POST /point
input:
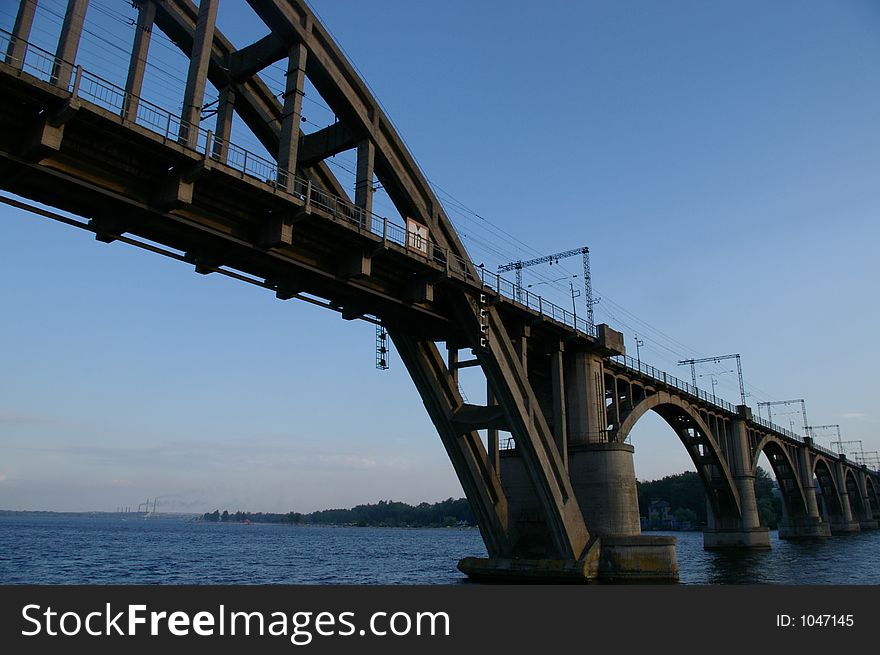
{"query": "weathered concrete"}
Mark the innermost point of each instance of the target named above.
(744, 531)
(638, 558)
(68, 42)
(721, 539)
(604, 481)
(24, 20)
(293, 94)
(506, 569)
(138, 63)
(609, 559)
(539, 516)
(194, 94)
(810, 528)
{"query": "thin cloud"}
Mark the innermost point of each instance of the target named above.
(17, 418)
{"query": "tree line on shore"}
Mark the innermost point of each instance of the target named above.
(686, 496)
(684, 492)
(447, 513)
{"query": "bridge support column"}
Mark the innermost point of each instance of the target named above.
(845, 523)
(24, 20)
(747, 531)
(604, 481)
(811, 526)
(363, 194)
(294, 91)
(194, 94)
(869, 522)
(138, 63)
(585, 393)
(68, 43)
(223, 126)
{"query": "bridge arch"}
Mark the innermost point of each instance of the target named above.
(793, 496)
(857, 500)
(700, 443)
(829, 492)
(873, 494)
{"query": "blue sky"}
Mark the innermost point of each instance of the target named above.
(721, 160)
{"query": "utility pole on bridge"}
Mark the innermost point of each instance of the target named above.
(771, 403)
(584, 251)
(814, 428)
(719, 358)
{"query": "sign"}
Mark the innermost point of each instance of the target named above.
(416, 236)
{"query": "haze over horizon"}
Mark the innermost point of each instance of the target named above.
(720, 160)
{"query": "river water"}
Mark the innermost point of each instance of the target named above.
(107, 549)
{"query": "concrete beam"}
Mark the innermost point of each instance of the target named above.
(68, 42)
(223, 126)
(292, 112)
(255, 103)
(479, 417)
(138, 62)
(358, 265)
(107, 228)
(204, 264)
(324, 143)
(478, 477)
(420, 291)
(560, 418)
(200, 57)
(174, 193)
(363, 193)
(43, 141)
(250, 60)
(277, 231)
(21, 31)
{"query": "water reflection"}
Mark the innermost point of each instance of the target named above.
(840, 560)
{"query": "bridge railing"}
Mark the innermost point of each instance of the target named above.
(672, 381)
(777, 428)
(30, 58)
(90, 87)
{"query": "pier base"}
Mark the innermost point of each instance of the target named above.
(869, 525)
(609, 559)
(805, 530)
(721, 539)
(638, 559)
(850, 527)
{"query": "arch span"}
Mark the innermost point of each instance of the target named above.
(830, 494)
(857, 500)
(793, 496)
(873, 494)
(700, 443)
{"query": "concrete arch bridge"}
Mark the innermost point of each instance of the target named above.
(556, 500)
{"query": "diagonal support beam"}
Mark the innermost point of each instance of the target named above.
(476, 474)
(479, 417)
(250, 60)
(324, 143)
(502, 365)
(255, 103)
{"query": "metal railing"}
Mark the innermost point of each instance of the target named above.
(672, 381)
(777, 428)
(102, 93)
(695, 392)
